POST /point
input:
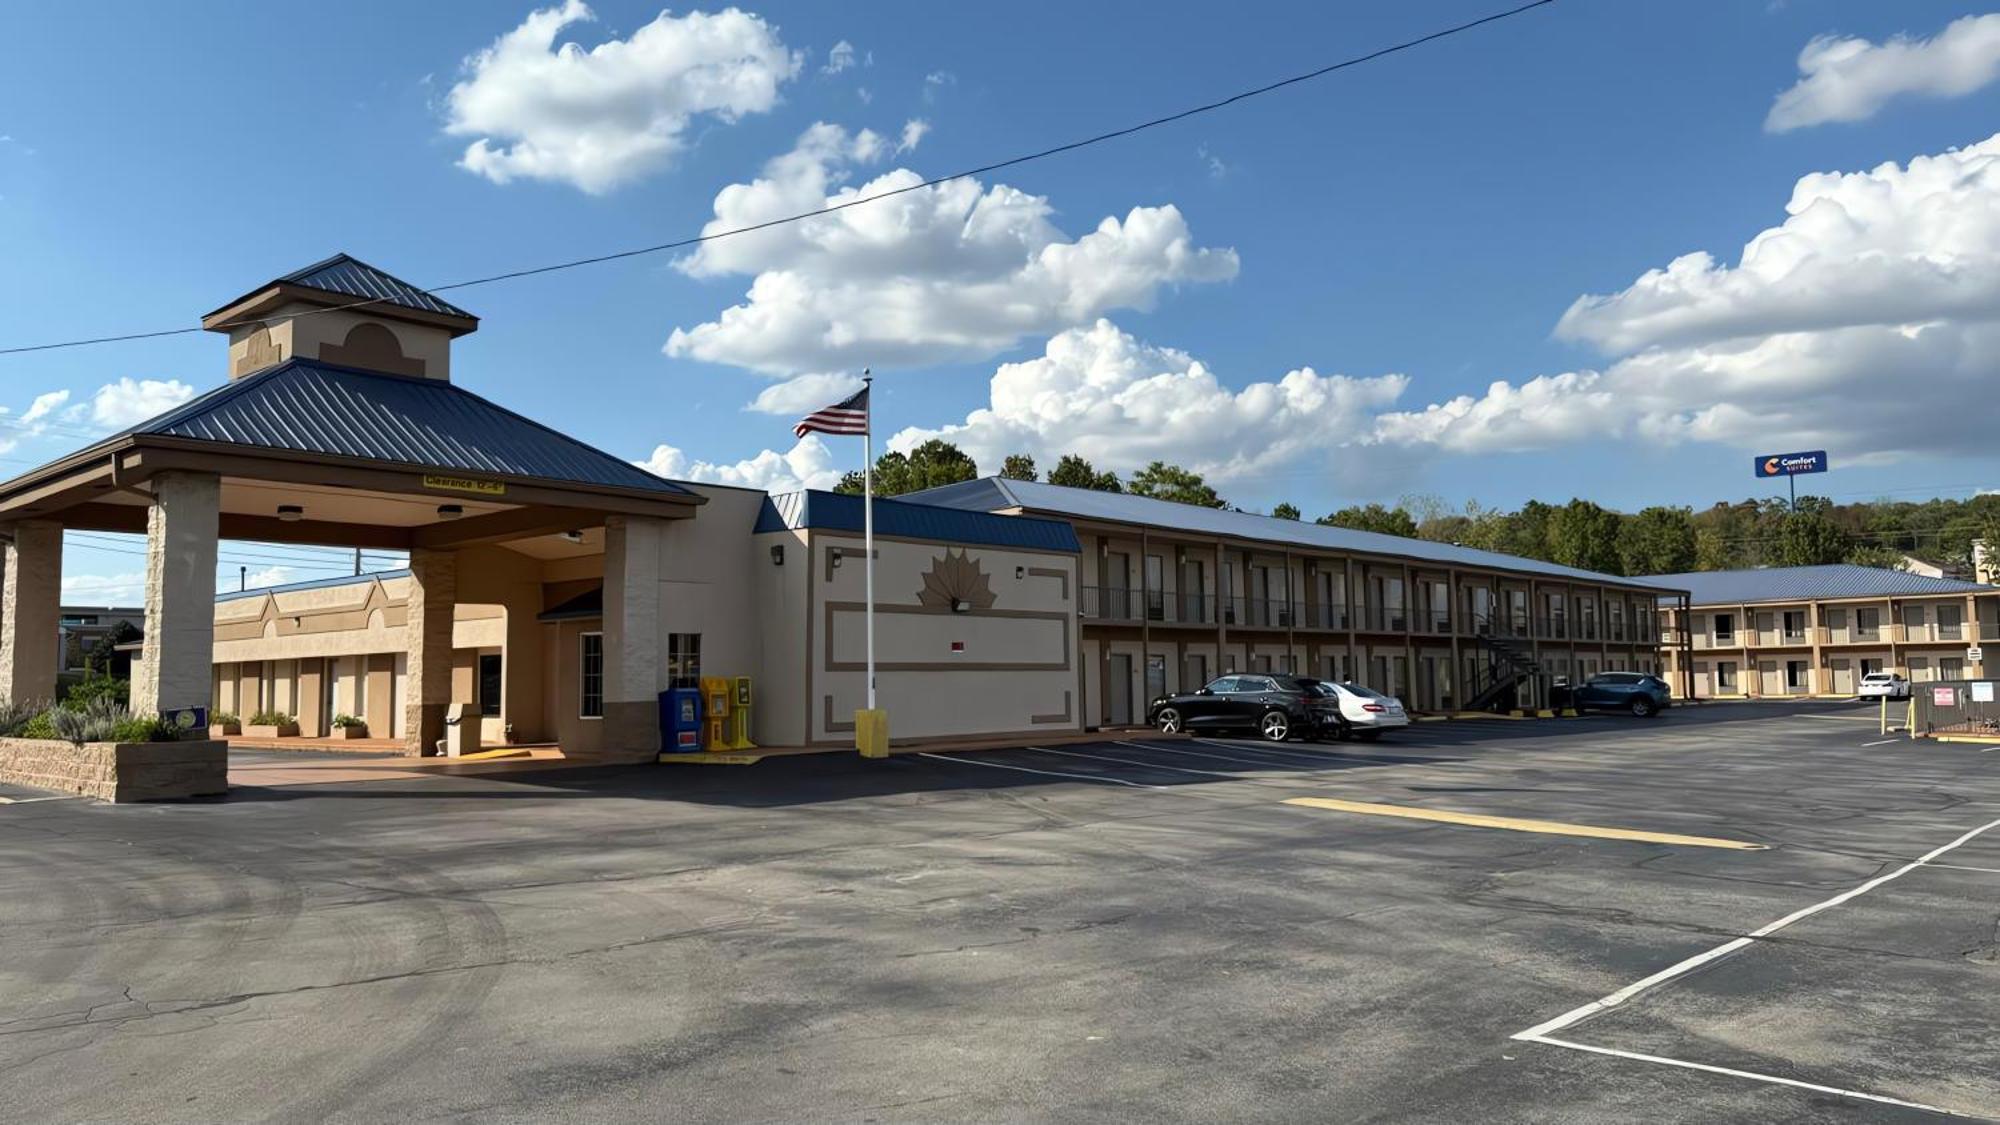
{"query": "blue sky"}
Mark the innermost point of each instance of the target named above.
(1429, 217)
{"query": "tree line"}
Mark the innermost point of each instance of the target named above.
(1661, 539)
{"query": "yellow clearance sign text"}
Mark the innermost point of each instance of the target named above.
(465, 484)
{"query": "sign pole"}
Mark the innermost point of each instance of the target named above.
(1792, 482)
(868, 528)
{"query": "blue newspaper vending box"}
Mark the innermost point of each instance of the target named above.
(680, 720)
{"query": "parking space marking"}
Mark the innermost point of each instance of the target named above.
(1775, 1079)
(1884, 742)
(1518, 824)
(1543, 1032)
(1842, 718)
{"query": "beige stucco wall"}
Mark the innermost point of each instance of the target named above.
(291, 335)
(1017, 671)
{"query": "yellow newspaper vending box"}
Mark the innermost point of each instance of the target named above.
(715, 693)
(739, 720)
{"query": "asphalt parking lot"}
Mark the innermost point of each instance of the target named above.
(1137, 929)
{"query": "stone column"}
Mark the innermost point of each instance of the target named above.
(30, 593)
(427, 685)
(180, 594)
(633, 647)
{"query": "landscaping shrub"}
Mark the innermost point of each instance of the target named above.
(143, 730)
(97, 685)
(94, 721)
(345, 721)
(40, 726)
(15, 717)
(221, 718)
(270, 719)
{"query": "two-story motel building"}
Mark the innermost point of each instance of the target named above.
(1816, 630)
(553, 589)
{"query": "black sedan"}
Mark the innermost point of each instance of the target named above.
(1276, 707)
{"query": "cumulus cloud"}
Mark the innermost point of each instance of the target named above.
(809, 464)
(1868, 321)
(952, 272)
(269, 576)
(104, 589)
(1892, 245)
(1099, 391)
(805, 394)
(43, 406)
(914, 131)
(130, 401)
(841, 57)
(1850, 79)
(603, 117)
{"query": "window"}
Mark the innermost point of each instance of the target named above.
(1795, 624)
(1867, 622)
(1155, 580)
(684, 660)
(489, 683)
(1951, 668)
(1949, 618)
(79, 619)
(590, 676)
(1725, 628)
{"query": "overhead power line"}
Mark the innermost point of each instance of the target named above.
(1043, 154)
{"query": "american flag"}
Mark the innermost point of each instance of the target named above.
(848, 416)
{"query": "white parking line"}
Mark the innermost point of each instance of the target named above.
(1884, 742)
(1542, 1032)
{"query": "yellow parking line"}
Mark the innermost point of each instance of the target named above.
(1516, 824)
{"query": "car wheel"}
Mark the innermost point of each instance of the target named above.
(1644, 708)
(1169, 720)
(1275, 726)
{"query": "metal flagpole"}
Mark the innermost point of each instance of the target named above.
(868, 523)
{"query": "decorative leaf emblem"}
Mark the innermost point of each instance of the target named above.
(956, 578)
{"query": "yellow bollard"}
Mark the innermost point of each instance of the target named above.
(871, 733)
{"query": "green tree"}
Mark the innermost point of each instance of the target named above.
(1811, 538)
(1018, 466)
(1075, 472)
(1372, 517)
(1583, 535)
(935, 462)
(1657, 541)
(1285, 511)
(1162, 481)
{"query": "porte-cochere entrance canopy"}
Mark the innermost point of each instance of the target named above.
(339, 426)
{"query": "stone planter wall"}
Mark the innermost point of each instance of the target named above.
(347, 732)
(118, 771)
(217, 730)
(287, 730)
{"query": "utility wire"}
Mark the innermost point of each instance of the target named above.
(681, 244)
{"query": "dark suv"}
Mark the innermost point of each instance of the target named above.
(1277, 707)
(1642, 694)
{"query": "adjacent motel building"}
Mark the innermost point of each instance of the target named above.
(1817, 630)
(554, 590)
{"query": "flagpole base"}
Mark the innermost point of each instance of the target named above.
(871, 733)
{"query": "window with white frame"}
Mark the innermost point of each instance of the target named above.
(684, 660)
(590, 676)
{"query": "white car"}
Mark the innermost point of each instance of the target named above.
(1364, 713)
(1883, 685)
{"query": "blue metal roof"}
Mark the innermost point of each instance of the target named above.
(349, 276)
(307, 406)
(1807, 583)
(993, 494)
(835, 511)
(313, 584)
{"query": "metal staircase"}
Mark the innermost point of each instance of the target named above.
(1509, 663)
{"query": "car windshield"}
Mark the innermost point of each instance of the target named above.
(1877, 678)
(1366, 693)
